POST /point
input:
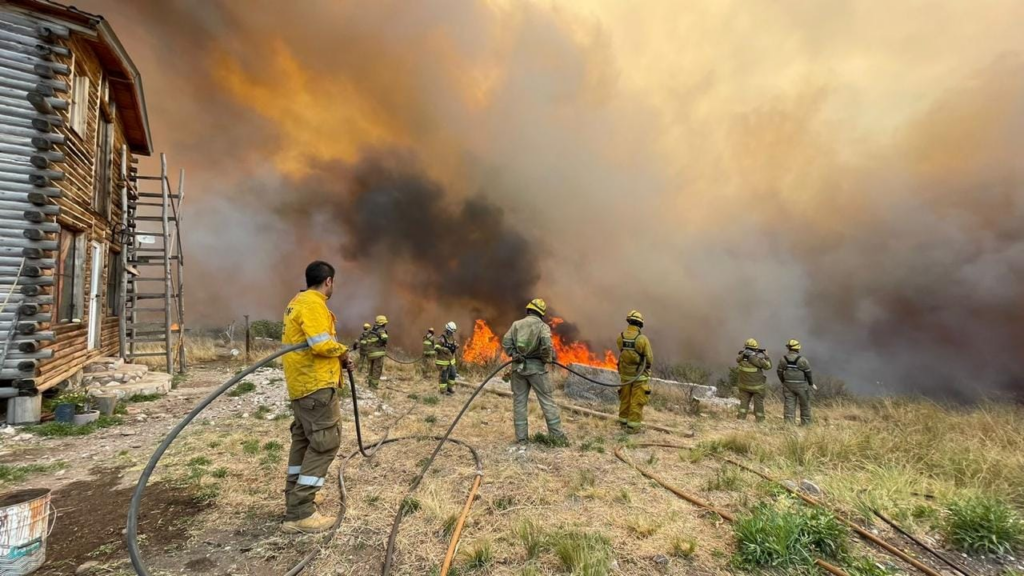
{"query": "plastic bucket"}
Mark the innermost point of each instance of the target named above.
(25, 522)
(64, 413)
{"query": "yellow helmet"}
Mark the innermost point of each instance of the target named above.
(431, 330)
(538, 305)
(635, 315)
(366, 326)
(381, 320)
(751, 343)
(793, 345)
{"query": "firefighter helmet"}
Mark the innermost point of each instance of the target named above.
(751, 343)
(451, 327)
(635, 316)
(381, 320)
(366, 326)
(430, 330)
(538, 305)
(793, 345)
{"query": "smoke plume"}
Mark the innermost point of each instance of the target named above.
(847, 174)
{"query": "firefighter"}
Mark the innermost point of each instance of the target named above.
(445, 348)
(428, 352)
(358, 347)
(751, 382)
(312, 376)
(634, 350)
(528, 343)
(794, 372)
(376, 348)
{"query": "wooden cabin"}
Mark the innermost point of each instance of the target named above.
(72, 119)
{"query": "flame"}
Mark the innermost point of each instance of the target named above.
(174, 326)
(484, 347)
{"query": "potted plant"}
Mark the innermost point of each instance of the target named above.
(67, 405)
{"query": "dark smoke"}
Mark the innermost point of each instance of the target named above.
(459, 253)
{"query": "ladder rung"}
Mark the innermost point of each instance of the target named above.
(149, 278)
(137, 177)
(136, 204)
(146, 339)
(153, 333)
(146, 296)
(154, 218)
(144, 354)
(155, 195)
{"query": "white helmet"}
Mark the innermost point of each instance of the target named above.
(450, 327)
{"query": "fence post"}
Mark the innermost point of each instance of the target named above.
(247, 338)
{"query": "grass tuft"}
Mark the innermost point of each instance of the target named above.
(409, 506)
(552, 441)
(582, 553)
(431, 400)
(62, 429)
(242, 388)
(683, 548)
(787, 535)
(983, 525)
(18, 472)
(532, 537)
(143, 398)
(479, 556)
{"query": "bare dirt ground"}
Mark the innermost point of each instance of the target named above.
(215, 502)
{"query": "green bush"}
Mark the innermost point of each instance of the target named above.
(60, 429)
(787, 535)
(983, 525)
(242, 388)
(267, 329)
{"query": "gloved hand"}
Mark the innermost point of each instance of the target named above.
(347, 363)
(814, 387)
(747, 352)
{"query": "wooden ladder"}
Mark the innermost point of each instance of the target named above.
(154, 270)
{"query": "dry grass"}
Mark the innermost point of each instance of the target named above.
(203, 348)
(552, 510)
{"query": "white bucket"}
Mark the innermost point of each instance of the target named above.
(25, 522)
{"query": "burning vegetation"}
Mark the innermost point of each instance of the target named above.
(484, 346)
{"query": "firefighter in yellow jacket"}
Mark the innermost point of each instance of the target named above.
(446, 348)
(751, 382)
(376, 349)
(634, 352)
(312, 376)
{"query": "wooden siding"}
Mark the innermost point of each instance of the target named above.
(71, 345)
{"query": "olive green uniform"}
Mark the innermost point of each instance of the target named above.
(428, 354)
(634, 350)
(529, 340)
(445, 362)
(751, 384)
(358, 347)
(795, 374)
(316, 437)
(375, 350)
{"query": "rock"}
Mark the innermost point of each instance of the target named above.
(661, 560)
(8, 430)
(87, 567)
(128, 432)
(810, 488)
(790, 485)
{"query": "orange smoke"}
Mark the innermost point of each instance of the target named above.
(484, 347)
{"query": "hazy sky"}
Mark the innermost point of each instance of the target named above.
(845, 173)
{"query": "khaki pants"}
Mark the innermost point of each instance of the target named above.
(632, 399)
(376, 369)
(316, 436)
(793, 393)
(745, 397)
(446, 377)
(427, 364)
(541, 386)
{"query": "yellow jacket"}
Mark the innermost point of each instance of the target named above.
(308, 319)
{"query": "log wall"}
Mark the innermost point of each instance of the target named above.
(48, 179)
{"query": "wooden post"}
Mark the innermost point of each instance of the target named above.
(122, 288)
(165, 192)
(180, 264)
(246, 338)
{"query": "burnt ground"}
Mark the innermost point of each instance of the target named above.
(91, 520)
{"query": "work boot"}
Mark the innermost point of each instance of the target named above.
(634, 429)
(316, 522)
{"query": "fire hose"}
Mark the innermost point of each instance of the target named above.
(133, 509)
(639, 373)
(397, 361)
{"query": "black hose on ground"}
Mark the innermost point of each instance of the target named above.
(132, 532)
(390, 554)
(640, 372)
(396, 360)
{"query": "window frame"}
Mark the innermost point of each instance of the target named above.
(71, 250)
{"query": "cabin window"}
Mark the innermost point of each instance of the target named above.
(79, 100)
(114, 272)
(70, 274)
(104, 165)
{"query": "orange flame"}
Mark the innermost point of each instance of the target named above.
(484, 347)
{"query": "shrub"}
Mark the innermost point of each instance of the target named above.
(267, 329)
(983, 525)
(787, 535)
